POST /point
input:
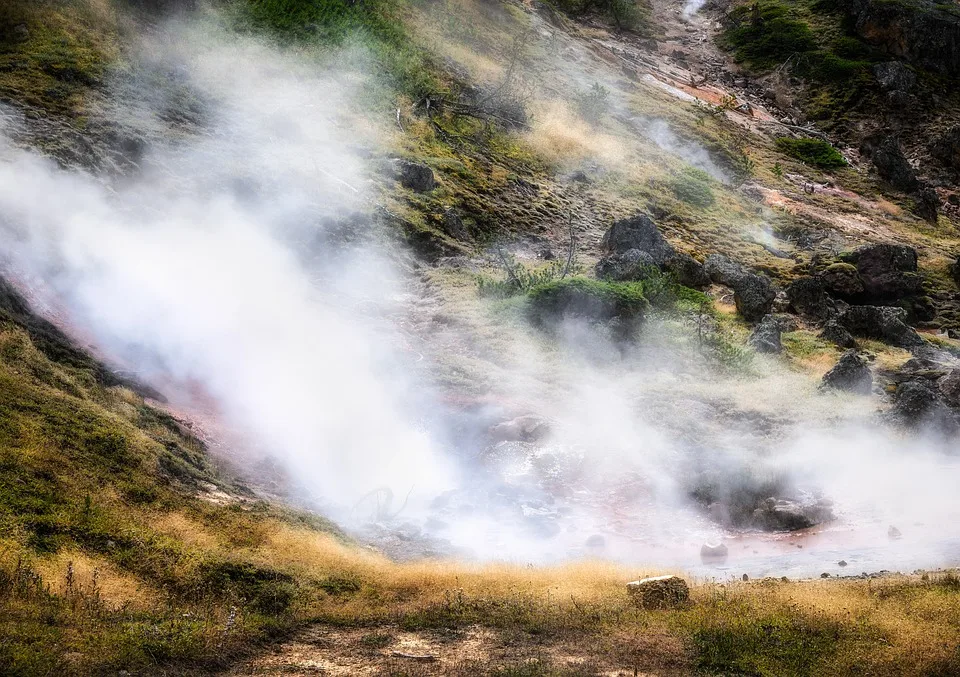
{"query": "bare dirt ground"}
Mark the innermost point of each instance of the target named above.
(336, 651)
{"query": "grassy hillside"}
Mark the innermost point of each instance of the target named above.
(123, 545)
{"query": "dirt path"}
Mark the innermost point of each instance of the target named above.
(473, 651)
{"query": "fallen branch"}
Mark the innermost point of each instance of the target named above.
(399, 124)
(413, 656)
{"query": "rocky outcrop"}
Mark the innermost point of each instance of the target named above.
(641, 233)
(918, 404)
(850, 374)
(887, 157)
(833, 332)
(955, 271)
(528, 428)
(778, 514)
(659, 592)
(894, 76)
(842, 280)
(687, 271)
(808, 297)
(416, 176)
(946, 148)
(949, 387)
(636, 246)
(766, 336)
(722, 270)
(888, 272)
(920, 31)
(754, 296)
(882, 323)
(631, 265)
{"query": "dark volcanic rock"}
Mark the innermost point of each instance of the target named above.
(754, 296)
(722, 270)
(850, 373)
(888, 271)
(917, 404)
(920, 31)
(946, 149)
(807, 297)
(638, 232)
(885, 153)
(766, 336)
(454, 226)
(778, 514)
(882, 323)
(894, 76)
(949, 387)
(926, 203)
(687, 271)
(414, 175)
(837, 335)
(842, 280)
(955, 271)
(630, 265)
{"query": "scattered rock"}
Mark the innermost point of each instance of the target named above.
(713, 553)
(850, 374)
(949, 387)
(659, 592)
(894, 76)
(722, 270)
(745, 578)
(843, 280)
(882, 323)
(824, 575)
(766, 336)
(527, 428)
(754, 295)
(596, 542)
(885, 153)
(837, 335)
(627, 266)
(842, 563)
(946, 149)
(893, 533)
(416, 176)
(638, 232)
(453, 224)
(779, 514)
(20, 33)
(807, 297)
(888, 272)
(687, 271)
(917, 404)
(926, 203)
(955, 271)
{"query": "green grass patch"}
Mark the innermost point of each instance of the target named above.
(813, 152)
(692, 186)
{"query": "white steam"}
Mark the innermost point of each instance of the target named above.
(213, 265)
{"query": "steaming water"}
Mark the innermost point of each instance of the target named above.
(239, 258)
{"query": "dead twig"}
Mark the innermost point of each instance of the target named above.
(573, 246)
(399, 124)
(426, 658)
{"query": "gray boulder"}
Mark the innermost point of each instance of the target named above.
(414, 175)
(627, 266)
(850, 374)
(687, 271)
(638, 232)
(949, 387)
(454, 226)
(754, 296)
(882, 323)
(766, 336)
(722, 270)
(887, 157)
(807, 297)
(659, 592)
(837, 335)
(918, 404)
(779, 514)
(888, 272)
(842, 280)
(894, 76)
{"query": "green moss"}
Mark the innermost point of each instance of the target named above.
(692, 186)
(813, 152)
(555, 301)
